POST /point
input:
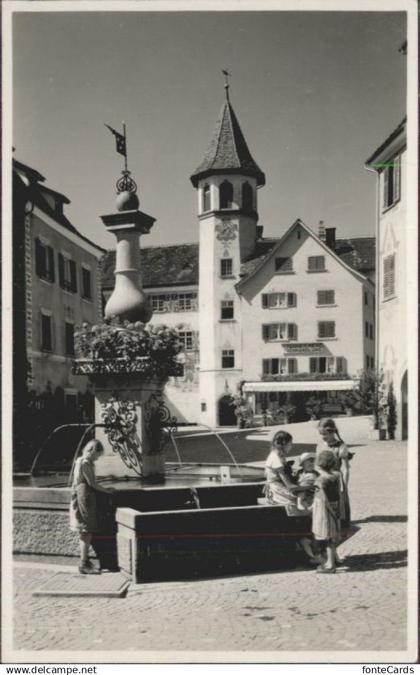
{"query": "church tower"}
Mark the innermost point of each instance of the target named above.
(227, 181)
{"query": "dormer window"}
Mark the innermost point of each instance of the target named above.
(206, 197)
(247, 197)
(226, 195)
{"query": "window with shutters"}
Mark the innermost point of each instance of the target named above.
(46, 332)
(283, 265)
(226, 267)
(391, 182)
(226, 195)
(228, 358)
(325, 298)
(226, 310)
(340, 364)
(316, 263)
(173, 302)
(67, 273)
(69, 338)
(186, 338)
(279, 366)
(44, 261)
(326, 329)
(86, 283)
(206, 197)
(278, 300)
(274, 332)
(389, 276)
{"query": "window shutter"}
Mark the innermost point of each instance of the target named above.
(61, 269)
(291, 299)
(385, 187)
(265, 332)
(312, 365)
(292, 331)
(73, 276)
(389, 278)
(264, 300)
(51, 267)
(40, 259)
(397, 174)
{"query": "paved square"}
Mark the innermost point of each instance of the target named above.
(362, 607)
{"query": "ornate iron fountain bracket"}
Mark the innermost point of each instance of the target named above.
(159, 423)
(120, 420)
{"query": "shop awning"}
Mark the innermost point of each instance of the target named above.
(301, 385)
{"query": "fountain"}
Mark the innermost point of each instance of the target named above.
(157, 517)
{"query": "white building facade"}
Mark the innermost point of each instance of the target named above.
(271, 316)
(389, 163)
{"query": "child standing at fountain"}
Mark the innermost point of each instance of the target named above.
(83, 502)
(326, 509)
(331, 440)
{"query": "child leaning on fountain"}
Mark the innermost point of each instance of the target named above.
(83, 518)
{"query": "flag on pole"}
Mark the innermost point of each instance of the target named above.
(120, 141)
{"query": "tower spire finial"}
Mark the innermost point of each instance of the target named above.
(227, 75)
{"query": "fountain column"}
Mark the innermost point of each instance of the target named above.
(127, 376)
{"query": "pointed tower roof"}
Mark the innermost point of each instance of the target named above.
(228, 151)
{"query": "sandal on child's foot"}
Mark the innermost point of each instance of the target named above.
(88, 569)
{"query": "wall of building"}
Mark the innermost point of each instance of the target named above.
(181, 393)
(53, 369)
(392, 311)
(347, 312)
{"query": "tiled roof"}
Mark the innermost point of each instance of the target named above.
(228, 151)
(160, 266)
(178, 265)
(36, 195)
(358, 252)
(262, 249)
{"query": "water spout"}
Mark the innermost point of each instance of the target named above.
(216, 433)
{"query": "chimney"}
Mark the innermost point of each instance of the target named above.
(330, 237)
(260, 229)
(321, 230)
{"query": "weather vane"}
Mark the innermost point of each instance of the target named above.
(126, 183)
(227, 75)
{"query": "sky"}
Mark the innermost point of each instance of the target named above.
(314, 92)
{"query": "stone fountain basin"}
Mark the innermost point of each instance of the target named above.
(41, 502)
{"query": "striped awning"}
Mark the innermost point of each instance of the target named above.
(301, 385)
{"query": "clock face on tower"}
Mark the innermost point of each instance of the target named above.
(226, 230)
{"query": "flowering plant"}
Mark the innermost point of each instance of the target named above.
(128, 347)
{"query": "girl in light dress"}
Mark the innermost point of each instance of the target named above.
(331, 440)
(83, 517)
(280, 482)
(278, 472)
(326, 510)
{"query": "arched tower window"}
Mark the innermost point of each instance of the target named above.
(247, 197)
(206, 197)
(226, 195)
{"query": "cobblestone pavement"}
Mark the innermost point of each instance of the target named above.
(362, 607)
